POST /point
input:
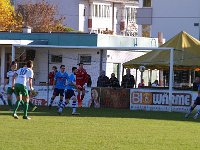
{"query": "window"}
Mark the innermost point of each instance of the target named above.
(147, 3)
(84, 11)
(108, 11)
(56, 58)
(95, 10)
(85, 59)
(101, 11)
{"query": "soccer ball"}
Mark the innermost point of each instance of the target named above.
(142, 68)
(34, 93)
(60, 110)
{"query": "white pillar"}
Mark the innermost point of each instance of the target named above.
(2, 64)
(190, 78)
(13, 53)
(171, 77)
(123, 18)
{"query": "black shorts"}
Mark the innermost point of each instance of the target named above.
(197, 101)
(69, 94)
(58, 92)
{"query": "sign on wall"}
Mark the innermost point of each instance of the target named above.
(41, 98)
(159, 101)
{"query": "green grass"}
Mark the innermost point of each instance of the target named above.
(98, 129)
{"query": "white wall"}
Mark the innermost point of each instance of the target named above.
(173, 16)
(70, 59)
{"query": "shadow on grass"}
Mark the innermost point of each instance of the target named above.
(107, 112)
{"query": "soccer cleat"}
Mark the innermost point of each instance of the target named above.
(26, 117)
(34, 108)
(15, 116)
(75, 113)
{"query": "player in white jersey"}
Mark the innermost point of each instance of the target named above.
(8, 82)
(21, 77)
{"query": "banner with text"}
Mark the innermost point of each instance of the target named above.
(159, 101)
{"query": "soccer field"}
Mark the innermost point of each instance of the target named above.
(99, 129)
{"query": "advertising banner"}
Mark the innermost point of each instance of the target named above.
(115, 98)
(159, 101)
(95, 98)
(42, 97)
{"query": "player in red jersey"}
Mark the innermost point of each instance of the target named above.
(81, 80)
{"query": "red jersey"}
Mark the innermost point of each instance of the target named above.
(81, 77)
(51, 77)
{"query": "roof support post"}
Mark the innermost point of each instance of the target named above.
(171, 77)
(13, 52)
(2, 64)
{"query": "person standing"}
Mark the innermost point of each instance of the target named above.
(196, 102)
(103, 80)
(114, 82)
(195, 84)
(8, 82)
(81, 82)
(59, 85)
(2, 98)
(69, 93)
(141, 84)
(128, 80)
(89, 82)
(155, 83)
(20, 78)
(52, 75)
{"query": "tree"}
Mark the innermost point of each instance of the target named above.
(9, 20)
(41, 16)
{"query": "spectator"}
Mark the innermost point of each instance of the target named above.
(155, 83)
(141, 84)
(128, 80)
(114, 82)
(52, 75)
(89, 81)
(103, 80)
(196, 84)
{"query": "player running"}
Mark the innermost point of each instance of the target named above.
(196, 102)
(20, 78)
(59, 85)
(81, 81)
(8, 82)
(2, 98)
(69, 93)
